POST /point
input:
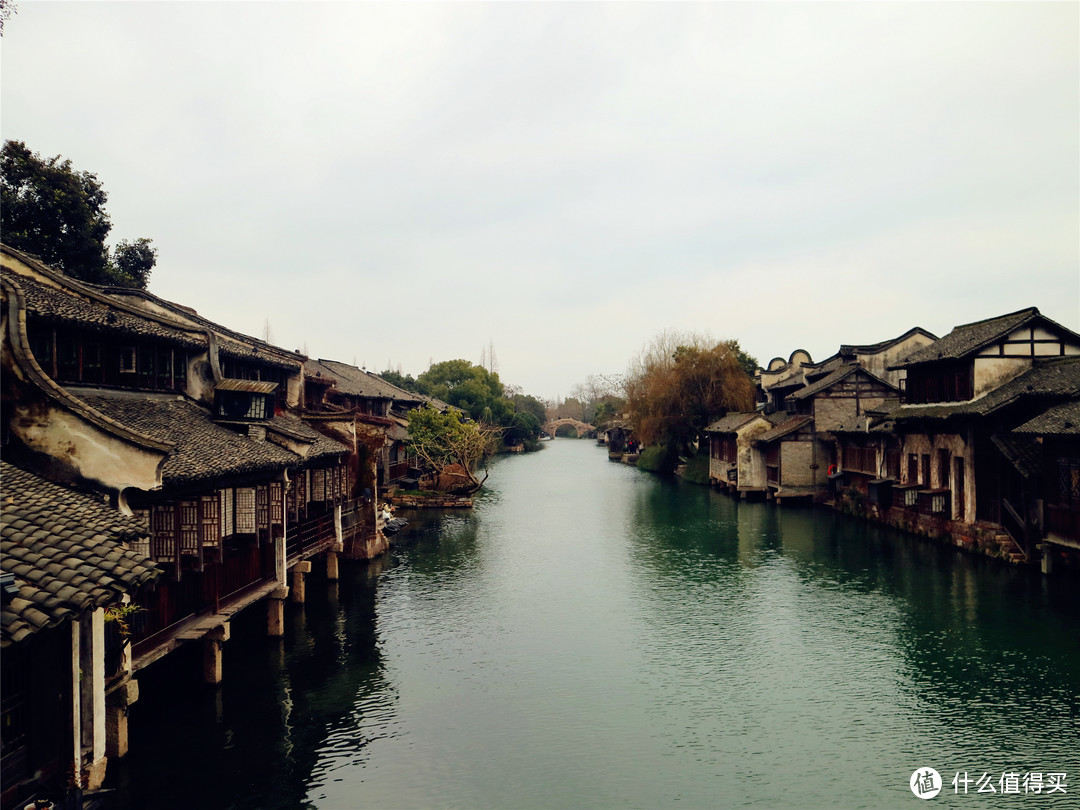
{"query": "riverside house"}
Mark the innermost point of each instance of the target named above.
(187, 428)
(808, 402)
(958, 452)
(69, 568)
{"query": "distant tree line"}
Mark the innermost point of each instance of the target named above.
(480, 393)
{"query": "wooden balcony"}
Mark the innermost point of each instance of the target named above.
(244, 566)
(310, 536)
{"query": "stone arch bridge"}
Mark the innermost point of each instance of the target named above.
(583, 429)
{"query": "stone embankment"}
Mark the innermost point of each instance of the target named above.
(430, 500)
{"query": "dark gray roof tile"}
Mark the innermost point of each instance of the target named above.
(204, 450)
(60, 572)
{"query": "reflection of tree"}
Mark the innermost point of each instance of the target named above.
(979, 660)
(261, 743)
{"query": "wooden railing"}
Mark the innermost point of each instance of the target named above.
(309, 534)
(1014, 525)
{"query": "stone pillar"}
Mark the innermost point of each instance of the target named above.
(275, 613)
(332, 566)
(1047, 559)
(116, 717)
(213, 642)
(297, 590)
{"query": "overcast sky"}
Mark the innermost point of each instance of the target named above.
(411, 182)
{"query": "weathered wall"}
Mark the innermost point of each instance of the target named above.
(795, 460)
(957, 447)
(992, 372)
(81, 450)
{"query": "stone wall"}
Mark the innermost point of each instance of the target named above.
(434, 500)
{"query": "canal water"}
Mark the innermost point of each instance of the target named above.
(591, 636)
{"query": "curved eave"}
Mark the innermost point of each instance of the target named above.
(28, 364)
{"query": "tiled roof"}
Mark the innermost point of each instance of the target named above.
(730, 423)
(322, 446)
(243, 346)
(1060, 420)
(356, 382)
(204, 450)
(1023, 452)
(784, 428)
(66, 550)
(969, 338)
(875, 348)
(833, 378)
(1056, 378)
(52, 304)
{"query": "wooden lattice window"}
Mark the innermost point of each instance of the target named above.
(318, 485)
(277, 516)
(227, 524)
(210, 521)
(262, 508)
(189, 527)
(245, 510)
(163, 532)
(1069, 481)
(301, 489)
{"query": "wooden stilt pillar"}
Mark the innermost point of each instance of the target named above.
(1047, 559)
(213, 642)
(296, 592)
(332, 566)
(275, 613)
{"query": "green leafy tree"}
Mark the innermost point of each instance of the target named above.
(472, 388)
(133, 261)
(57, 213)
(442, 440)
(404, 381)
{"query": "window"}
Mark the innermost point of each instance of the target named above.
(943, 468)
(241, 405)
(210, 521)
(92, 366)
(127, 360)
(164, 368)
(67, 357)
(245, 510)
(41, 345)
(189, 527)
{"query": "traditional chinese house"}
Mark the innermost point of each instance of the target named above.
(183, 425)
(70, 567)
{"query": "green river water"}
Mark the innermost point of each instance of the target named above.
(591, 636)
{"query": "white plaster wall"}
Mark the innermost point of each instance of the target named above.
(993, 372)
(86, 450)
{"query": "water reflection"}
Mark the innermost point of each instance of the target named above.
(590, 636)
